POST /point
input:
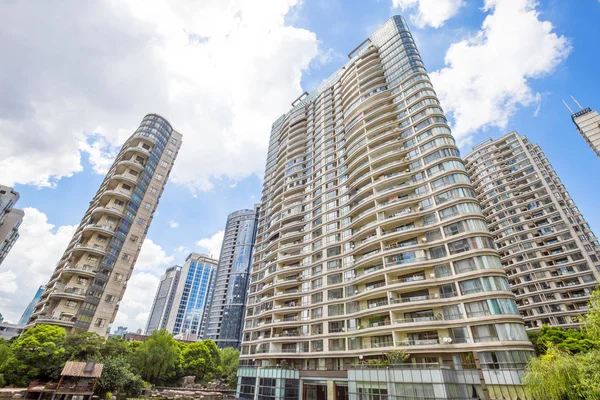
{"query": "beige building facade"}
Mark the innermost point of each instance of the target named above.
(10, 220)
(90, 279)
(548, 250)
(587, 122)
(371, 240)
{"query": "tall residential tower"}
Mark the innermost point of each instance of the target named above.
(189, 313)
(549, 252)
(163, 301)
(228, 305)
(10, 220)
(587, 122)
(371, 239)
(89, 280)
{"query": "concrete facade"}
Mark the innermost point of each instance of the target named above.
(548, 250)
(370, 237)
(10, 220)
(162, 305)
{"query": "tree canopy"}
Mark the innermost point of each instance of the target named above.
(568, 363)
(41, 352)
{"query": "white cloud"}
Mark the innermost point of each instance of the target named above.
(212, 245)
(173, 224)
(135, 307)
(488, 76)
(31, 261)
(220, 71)
(430, 12)
(153, 258)
(8, 282)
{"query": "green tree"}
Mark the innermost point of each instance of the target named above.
(37, 354)
(552, 376)
(196, 360)
(229, 364)
(569, 367)
(83, 346)
(591, 321)
(116, 346)
(118, 378)
(569, 340)
(157, 359)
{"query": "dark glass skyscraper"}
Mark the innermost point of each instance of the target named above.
(228, 306)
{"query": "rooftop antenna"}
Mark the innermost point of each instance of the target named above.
(576, 102)
(568, 108)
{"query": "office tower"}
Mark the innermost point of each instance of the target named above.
(121, 331)
(189, 314)
(10, 220)
(31, 306)
(370, 239)
(163, 301)
(228, 305)
(587, 122)
(89, 281)
(549, 252)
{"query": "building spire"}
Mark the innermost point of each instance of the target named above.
(568, 108)
(576, 102)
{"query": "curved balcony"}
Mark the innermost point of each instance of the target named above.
(104, 229)
(126, 177)
(70, 293)
(94, 249)
(60, 321)
(131, 164)
(100, 210)
(86, 271)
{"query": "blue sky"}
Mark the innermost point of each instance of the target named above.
(65, 117)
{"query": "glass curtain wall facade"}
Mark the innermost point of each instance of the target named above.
(228, 305)
(548, 250)
(30, 307)
(370, 237)
(192, 297)
(163, 300)
(89, 281)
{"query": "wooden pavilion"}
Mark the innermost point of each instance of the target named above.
(77, 382)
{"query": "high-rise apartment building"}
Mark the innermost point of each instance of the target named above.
(228, 306)
(10, 220)
(90, 278)
(587, 122)
(189, 315)
(31, 306)
(548, 250)
(163, 300)
(371, 239)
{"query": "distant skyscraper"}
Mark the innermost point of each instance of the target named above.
(548, 250)
(192, 297)
(226, 318)
(31, 306)
(587, 122)
(10, 220)
(121, 331)
(89, 280)
(163, 300)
